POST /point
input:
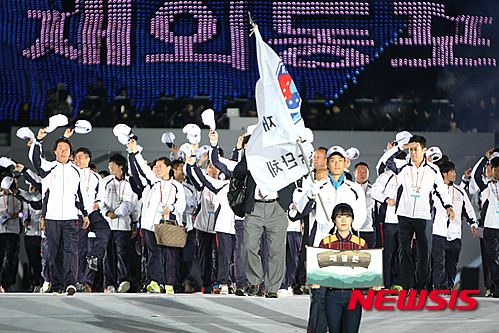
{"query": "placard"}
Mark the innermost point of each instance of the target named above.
(345, 269)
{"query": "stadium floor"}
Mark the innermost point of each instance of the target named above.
(93, 313)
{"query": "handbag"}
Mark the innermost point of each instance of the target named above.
(237, 195)
(169, 233)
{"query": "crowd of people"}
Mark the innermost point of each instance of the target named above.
(79, 224)
(414, 112)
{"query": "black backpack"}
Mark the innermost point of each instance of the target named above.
(237, 195)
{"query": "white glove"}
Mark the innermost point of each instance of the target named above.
(313, 189)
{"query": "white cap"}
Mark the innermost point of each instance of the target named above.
(168, 138)
(6, 182)
(57, 121)
(202, 150)
(193, 133)
(336, 150)
(185, 150)
(6, 162)
(121, 129)
(208, 118)
(25, 133)
(250, 129)
(435, 153)
(309, 135)
(4, 218)
(123, 139)
(353, 153)
(403, 138)
(124, 209)
(83, 127)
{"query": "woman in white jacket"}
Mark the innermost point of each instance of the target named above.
(165, 200)
(214, 202)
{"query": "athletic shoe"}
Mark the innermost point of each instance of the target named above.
(71, 290)
(124, 286)
(224, 290)
(488, 293)
(282, 293)
(153, 287)
(271, 295)
(253, 290)
(216, 289)
(46, 287)
(495, 293)
(36, 289)
(305, 289)
(110, 290)
(169, 289)
(260, 293)
(88, 288)
(206, 290)
(240, 291)
(93, 263)
(4, 289)
(80, 287)
(397, 287)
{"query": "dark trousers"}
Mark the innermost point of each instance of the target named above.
(101, 229)
(161, 261)
(62, 239)
(117, 259)
(9, 253)
(207, 257)
(143, 258)
(301, 274)
(487, 279)
(339, 318)
(33, 247)
(187, 255)
(445, 258)
(240, 275)
(369, 237)
(82, 250)
(45, 260)
(407, 228)
(293, 245)
(391, 266)
(317, 321)
(225, 248)
(491, 238)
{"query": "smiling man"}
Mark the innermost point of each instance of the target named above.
(62, 200)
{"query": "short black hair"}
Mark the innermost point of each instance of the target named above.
(419, 139)
(85, 151)
(176, 164)
(65, 140)
(494, 162)
(120, 160)
(92, 166)
(104, 173)
(446, 166)
(322, 148)
(361, 163)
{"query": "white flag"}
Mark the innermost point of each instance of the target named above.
(273, 155)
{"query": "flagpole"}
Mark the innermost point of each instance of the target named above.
(313, 180)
